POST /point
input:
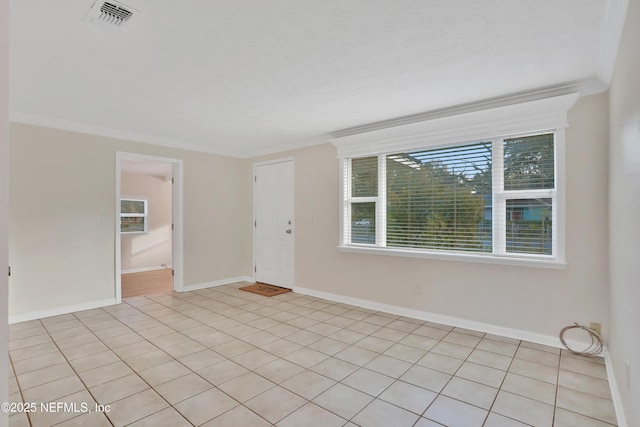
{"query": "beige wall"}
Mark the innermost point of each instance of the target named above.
(153, 249)
(529, 299)
(62, 217)
(4, 197)
(63, 256)
(624, 170)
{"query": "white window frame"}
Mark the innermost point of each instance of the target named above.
(501, 196)
(527, 118)
(379, 200)
(144, 215)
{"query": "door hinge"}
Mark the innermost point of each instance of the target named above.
(173, 272)
(173, 180)
(172, 226)
(255, 223)
(255, 178)
(255, 269)
(9, 270)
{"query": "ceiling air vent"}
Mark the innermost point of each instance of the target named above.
(110, 14)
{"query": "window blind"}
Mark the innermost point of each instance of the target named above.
(529, 171)
(529, 226)
(494, 196)
(364, 177)
(529, 162)
(440, 199)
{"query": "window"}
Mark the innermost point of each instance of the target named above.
(133, 216)
(495, 197)
(483, 183)
(364, 196)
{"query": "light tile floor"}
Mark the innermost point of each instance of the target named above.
(224, 357)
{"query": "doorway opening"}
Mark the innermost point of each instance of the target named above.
(148, 225)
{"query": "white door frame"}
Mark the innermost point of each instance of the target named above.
(4, 204)
(177, 242)
(293, 204)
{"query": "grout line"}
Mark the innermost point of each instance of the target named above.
(466, 359)
(232, 303)
(15, 375)
(502, 384)
(132, 369)
(555, 398)
(73, 369)
(122, 360)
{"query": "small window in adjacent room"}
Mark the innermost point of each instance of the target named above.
(133, 216)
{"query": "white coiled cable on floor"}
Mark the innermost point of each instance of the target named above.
(596, 341)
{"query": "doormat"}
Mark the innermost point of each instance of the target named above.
(266, 290)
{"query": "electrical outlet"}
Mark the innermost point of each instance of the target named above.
(596, 327)
(627, 374)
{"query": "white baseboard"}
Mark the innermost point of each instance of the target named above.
(142, 270)
(16, 318)
(615, 391)
(215, 283)
(552, 341)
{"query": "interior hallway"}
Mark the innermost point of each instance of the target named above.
(147, 283)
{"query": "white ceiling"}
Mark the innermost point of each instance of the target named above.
(244, 77)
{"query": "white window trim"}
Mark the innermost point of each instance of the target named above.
(494, 124)
(145, 215)
(526, 117)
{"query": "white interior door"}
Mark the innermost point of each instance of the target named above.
(274, 228)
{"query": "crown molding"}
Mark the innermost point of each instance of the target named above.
(73, 126)
(583, 87)
(612, 33)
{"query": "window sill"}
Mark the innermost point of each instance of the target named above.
(460, 257)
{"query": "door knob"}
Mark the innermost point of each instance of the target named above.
(288, 231)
